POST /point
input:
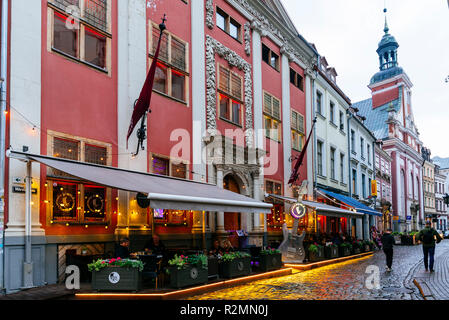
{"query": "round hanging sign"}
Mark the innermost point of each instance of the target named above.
(298, 211)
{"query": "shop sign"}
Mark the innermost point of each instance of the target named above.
(20, 189)
(396, 218)
(298, 210)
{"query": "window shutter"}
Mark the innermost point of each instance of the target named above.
(267, 104)
(163, 53)
(300, 123)
(276, 109)
(294, 120)
(224, 79)
(178, 54)
(236, 87)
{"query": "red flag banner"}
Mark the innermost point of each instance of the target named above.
(295, 173)
(143, 103)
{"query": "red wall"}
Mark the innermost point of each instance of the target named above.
(298, 103)
(381, 99)
(168, 114)
(80, 101)
(272, 84)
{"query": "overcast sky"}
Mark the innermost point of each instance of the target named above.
(347, 33)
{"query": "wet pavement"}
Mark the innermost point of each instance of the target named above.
(352, 280)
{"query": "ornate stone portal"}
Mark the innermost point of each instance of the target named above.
(214, 47)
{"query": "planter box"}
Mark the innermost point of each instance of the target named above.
(344, 251)
(356, 251)
(235, 268)
(317, 256)
(186, 277)
(366, 248)
(331, 252)
(117, 279)
(397, 239)
(269, 262)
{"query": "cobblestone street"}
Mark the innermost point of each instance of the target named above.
(346, 281)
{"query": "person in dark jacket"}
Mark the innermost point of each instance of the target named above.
(428, 236)
(122, 250)
(387, 245)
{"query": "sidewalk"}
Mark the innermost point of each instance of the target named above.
(434, 286)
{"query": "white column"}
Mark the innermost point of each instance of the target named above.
(25, 100)
(198, 89)
(258, 113)
(309, 122)
(220, 215)
(132, 72)
(286, 124)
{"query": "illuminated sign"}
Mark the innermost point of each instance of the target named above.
(374, 188)
(298, 211)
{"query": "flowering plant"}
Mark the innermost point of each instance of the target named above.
(234, 255)
(121, 263)
(270, 251)
(315, 247)
(182, 261)
(346, 245)
(356, 244)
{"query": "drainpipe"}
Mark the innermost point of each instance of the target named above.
(28, 264)
(349, 159)
(3, 82)
(315, 155)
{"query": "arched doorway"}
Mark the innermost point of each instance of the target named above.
(232, 220)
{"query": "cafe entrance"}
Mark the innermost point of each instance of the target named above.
(232, 220)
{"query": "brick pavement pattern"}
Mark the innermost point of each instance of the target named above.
(347, 280)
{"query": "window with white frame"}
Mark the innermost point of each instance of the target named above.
(87, 40)
(272, 115)
(297, 130)
(332, 158)
(172, 72)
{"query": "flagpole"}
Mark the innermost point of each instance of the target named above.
(142, 104)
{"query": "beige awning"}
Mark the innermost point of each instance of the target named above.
(321, 208)
(163, 192)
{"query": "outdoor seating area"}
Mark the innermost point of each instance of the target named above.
(168, 269)
(330, 246)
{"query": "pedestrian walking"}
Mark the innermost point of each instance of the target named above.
(428, 236)
(387, 245)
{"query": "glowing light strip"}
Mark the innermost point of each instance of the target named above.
(184, 291)
(328, 262)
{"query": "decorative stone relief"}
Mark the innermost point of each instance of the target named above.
(248, 38)
(214, 47)
(210, 14)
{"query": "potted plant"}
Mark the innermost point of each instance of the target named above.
(235, 264)
(331, 251)
(366, 246)
(356, 246)
(116, 274)
(397, 237)
(188, 270)
(270, 259)
(345, 249)
(316, 252)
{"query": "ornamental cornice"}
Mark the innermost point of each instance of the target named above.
(234, 60)
(264, 26)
